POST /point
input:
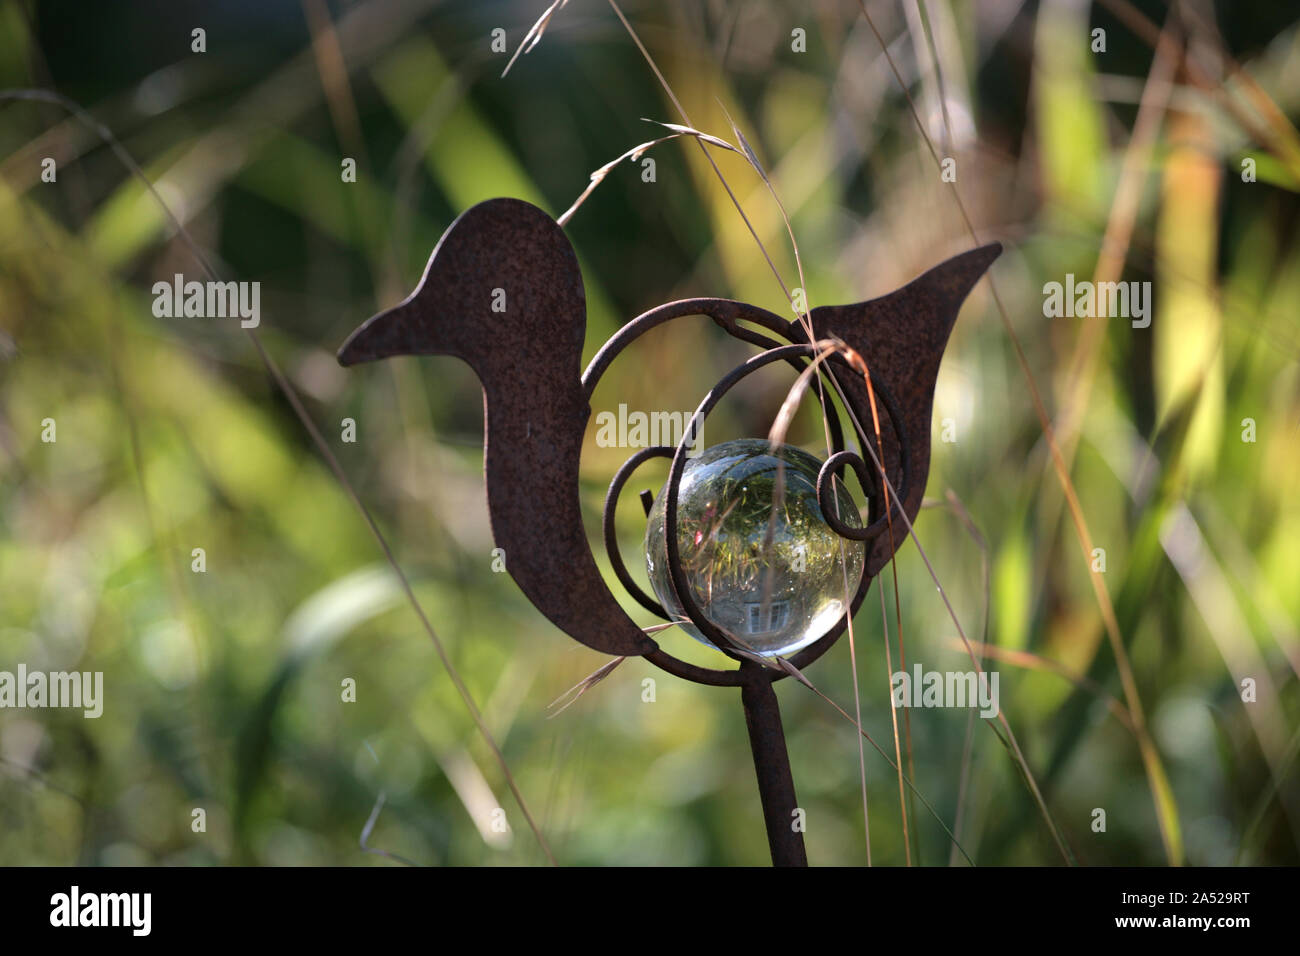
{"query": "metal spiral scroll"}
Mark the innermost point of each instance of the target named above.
(727, 313)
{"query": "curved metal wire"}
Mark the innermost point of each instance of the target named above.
(609, 531)
(727, 313)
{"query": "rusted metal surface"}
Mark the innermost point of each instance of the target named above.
(608, 528)
(503, 292)
(772, 766)
(528, 358)
(902, 337)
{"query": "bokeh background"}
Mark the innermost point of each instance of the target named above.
(223, 688)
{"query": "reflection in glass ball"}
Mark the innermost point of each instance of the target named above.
(772, 595)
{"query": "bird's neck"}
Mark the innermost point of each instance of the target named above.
(533, 443)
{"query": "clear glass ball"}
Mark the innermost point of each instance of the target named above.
(773, 596)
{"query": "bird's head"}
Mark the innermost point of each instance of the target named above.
(502, 288)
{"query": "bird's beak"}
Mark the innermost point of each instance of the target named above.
(397, 331)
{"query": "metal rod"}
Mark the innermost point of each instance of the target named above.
(772, 764)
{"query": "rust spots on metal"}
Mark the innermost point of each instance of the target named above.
(502, 292)
(902, 337)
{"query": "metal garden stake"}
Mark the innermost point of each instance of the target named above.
(502, 291)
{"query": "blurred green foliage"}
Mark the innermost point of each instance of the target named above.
(224, 688)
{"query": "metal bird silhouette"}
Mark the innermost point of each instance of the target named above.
(503, 292)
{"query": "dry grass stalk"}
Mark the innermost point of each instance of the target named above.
(636, 153)
(570, 696)
(534, 34)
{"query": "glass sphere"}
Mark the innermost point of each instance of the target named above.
(772, 597)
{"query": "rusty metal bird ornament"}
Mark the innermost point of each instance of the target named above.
(502, 291)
